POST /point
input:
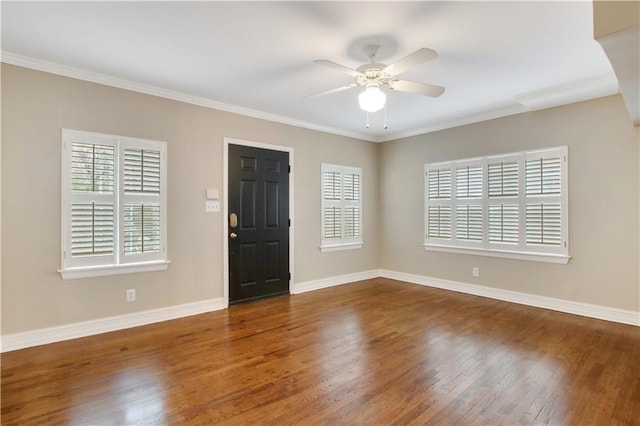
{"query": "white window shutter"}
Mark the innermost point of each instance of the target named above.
(439, 182)
(351, 222)
(341, 206)
(514, 203)
(503, 179)
(141, 171)
(332, 221)
(332, 189)
(469, 181)
(92, 229)
(92, 167)
(92, 226)
(544, 220)
(544, 224)
(543, 176)
(141, 228)
(113, 203)
(469, 222)
(142, 216)
(439, 222)
(504, 223)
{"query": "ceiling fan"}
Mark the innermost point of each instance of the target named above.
(373, 75)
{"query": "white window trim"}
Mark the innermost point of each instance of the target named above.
(343, 243)
(117, 263)
(105, 270)
(521, 252)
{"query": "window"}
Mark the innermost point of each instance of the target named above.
(512, 205)
(113, 204)
(341, 207)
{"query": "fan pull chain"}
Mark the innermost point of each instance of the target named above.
(367, 125)
(385, 116)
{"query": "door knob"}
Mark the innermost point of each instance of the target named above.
(233, 235)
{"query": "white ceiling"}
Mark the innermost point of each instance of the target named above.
(496, 58)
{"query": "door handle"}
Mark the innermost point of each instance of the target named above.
(233, 235)
(233, 220)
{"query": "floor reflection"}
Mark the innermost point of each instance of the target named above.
(134, 396)
(490, 377)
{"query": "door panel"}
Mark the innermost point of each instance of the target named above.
(259, 245)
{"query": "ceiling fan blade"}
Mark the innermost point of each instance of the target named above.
(327, 92)
(342, 68)
(423, 89)
(411, 60)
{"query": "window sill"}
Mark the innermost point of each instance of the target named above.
(338, 247)
(535, 257)
(105, 270)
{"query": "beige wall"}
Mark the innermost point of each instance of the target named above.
(611, 16)
(603, 203)
(36, 105)
(603, 170)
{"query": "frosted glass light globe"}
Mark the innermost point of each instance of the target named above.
(372, 99)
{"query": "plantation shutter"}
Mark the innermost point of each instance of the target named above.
(341, 206)
(507, 205)
(503, 201)
(543, 183)
(141, 171)
(92, 229)
(439, 214)
(113, 204)
(469, 204)
(352, 215)
(503, 179)
(469, 222)
(92, 206)
(141, 207)
(332, 195)
(469, 181)
(439, 184)
(503, 223)
(439, 222)
(542, 176)
(89, 196)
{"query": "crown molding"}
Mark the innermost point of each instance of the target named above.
(575, 91)
(593, 87)
(476, 118)
(93, 77)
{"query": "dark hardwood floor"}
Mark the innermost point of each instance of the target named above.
(372, 352)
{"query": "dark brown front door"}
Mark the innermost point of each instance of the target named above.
(259, 231)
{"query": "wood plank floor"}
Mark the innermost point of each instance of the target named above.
(373, 352)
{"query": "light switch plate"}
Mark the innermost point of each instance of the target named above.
(213, 194)
(212, 206)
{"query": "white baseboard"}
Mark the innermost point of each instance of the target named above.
(11, 342)
(303, 287)
(561, 305)
(15, 341)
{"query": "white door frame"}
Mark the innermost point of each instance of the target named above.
(225, 207)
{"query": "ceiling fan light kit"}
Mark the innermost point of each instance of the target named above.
(374, 75)
(372, 99)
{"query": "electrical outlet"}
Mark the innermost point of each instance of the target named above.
(131, 295)
(475, 271)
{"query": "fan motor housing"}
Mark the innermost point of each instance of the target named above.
(372, 71)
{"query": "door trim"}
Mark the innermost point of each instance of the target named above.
(225, 207)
